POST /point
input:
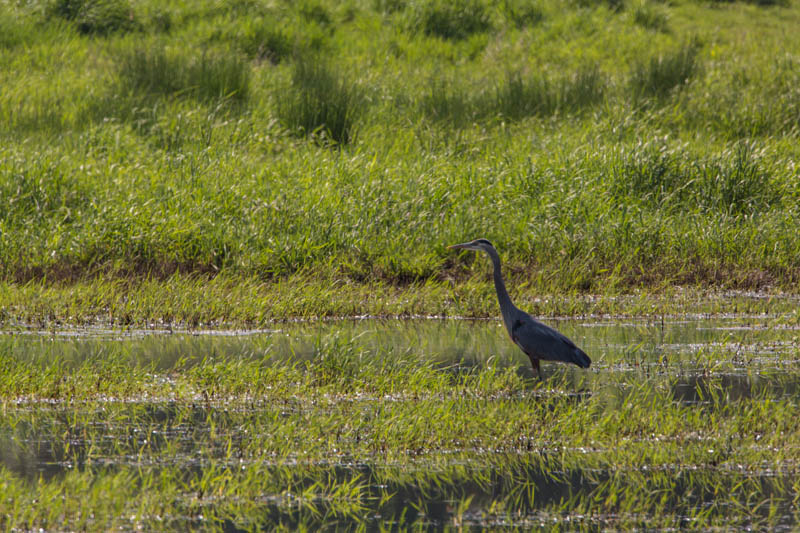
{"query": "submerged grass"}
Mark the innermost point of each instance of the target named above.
(342, 432)
(225, 302)
(635, 159)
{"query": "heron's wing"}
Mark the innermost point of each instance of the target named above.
(540, 341)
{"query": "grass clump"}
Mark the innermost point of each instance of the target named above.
(522, 13)
(520, 97)
(16, 30)
(456, 19)
(661, 74)
(261, 38)
(780, 3)
(315, 12)
(649, 15)
(736, 181)
(99, 17)
(156, 70)
(515, 98)
(755, 101)
(650, 171)
(319, 102)
(388, 6)
(447, 102)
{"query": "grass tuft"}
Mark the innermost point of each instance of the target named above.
(649, 15)
(781, 3)
(319, 102)
(449, 19)
(658, 76)
(446, 102)
(522, 13)
(736, 181)
(515, 98)
(520, 97)
(153, 69)
(389, 6)
(650, 171)
(262, 39)
(99, 17)
(315, 12)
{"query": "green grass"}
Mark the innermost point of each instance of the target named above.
(602, 152)
(449, 20)
(95, 17)
(339, 432)
(320, 103)
(660, 75)
(157, 71)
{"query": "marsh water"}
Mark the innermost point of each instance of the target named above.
(694, 358)
(757, 353)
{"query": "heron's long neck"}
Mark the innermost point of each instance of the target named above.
(502, 294)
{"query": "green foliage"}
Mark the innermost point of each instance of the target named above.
(518, 97)
(760, 100)
(523, 13)
(650, 15)
(734, 181)
(315, 12)
(597, 155)
(446, 102)
(263, 38)
(96, 16)
(651, 171)
(14, 31)
(329, 425)
(389, 6)
(515, 98)
(613, 5)
(661, 74)
(156, 70)
(320, 102)
(781, 3)
(455, 19)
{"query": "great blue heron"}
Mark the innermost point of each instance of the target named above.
(538, 341)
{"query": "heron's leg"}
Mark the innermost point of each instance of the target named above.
(535, 363)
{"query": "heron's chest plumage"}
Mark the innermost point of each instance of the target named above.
(513, 329)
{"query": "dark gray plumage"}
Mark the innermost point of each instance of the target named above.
(539, 341)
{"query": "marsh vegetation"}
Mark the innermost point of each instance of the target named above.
(603, 147)
(383, 424)
(167, 168)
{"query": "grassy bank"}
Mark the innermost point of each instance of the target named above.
(225, 302)
(604, 148)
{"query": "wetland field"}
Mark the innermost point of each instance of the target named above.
(402, 424)
(227, 302)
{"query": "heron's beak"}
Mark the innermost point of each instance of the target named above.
(464, 245)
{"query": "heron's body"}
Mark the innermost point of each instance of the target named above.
(539, 341)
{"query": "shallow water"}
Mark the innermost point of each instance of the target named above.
(704, 363)
(745, 353)
(464, 341)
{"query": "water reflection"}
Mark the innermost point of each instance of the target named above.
(715, 390)
(467, 342)
(703, 363)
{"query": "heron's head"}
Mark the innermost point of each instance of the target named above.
(477, 245)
